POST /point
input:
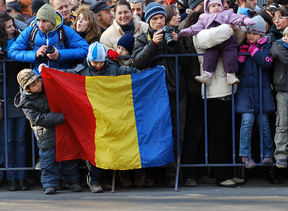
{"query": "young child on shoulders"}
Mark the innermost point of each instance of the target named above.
(248, 91)
(33, 101)
(124, 48)
(279, 51)
(214, 16)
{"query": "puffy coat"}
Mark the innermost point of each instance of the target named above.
(110, 36)
(36, 108)
(145, 49)
(109, 69)
(73, 48)
(274, 34)
(208, 38)
(248, 96)
(280, 65)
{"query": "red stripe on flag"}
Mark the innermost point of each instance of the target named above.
(66, 94)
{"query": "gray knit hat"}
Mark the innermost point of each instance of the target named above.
(285, 30)
(259, 27)
(25, 77)
(194, 3)
(47, 12)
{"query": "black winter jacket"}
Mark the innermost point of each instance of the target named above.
(280, 65)
(36, 108)
(144, 50)
(109, 69)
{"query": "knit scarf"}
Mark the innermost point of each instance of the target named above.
(283, 43)
(128, 29)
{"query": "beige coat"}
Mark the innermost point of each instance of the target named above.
(111, 35)
(208, 38)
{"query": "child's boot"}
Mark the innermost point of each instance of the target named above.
(204, 78)
(231, 79)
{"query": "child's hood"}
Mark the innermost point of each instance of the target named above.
(207, 2)
(22, 96)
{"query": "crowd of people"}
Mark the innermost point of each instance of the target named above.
(111, 38)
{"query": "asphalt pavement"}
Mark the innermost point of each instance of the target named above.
(256, 194)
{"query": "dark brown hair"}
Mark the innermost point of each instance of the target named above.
(4, 37)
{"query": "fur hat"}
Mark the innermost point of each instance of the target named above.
(25, 77)
(259, 27)
(153, 9)
(127, 42)
(194, 3)
(47, 12)
(96, 52)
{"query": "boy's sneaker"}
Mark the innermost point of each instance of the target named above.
(48, 191)
(38, 166)
(281, 163)
(231, 79)
(204, 78)
(96, 188)
(249, 162)
(267, 160)
(75, 187)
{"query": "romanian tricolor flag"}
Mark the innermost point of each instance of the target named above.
(119, 123)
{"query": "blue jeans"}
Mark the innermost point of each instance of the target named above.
(246, 131)
(16, 147)
(50, 175)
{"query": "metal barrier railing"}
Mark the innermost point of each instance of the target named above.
(178, 165)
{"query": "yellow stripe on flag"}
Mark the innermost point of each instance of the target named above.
(116, 138)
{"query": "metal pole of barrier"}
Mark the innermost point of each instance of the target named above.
(206, 125)
(261, 113)
(233, 125)
(178, 127)
(5, 114)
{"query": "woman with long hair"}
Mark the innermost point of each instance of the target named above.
(86, 25)
(16, 120)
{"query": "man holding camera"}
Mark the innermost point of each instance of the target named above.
(155, 42)
(48, 42)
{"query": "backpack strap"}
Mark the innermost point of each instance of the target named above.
(32, 36)
(62, 36)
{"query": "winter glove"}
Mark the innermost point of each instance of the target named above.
(249, 21)
(113, 54)
(252, 50)
(243, 49)
(186, 32)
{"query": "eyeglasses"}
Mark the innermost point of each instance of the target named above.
(280, 18)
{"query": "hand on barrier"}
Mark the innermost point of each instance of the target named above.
(243, 49)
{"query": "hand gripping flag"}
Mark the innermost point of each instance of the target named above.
(118, 123)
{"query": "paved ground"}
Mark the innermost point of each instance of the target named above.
(255, 195)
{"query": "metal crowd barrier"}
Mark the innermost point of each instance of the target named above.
(178, 165)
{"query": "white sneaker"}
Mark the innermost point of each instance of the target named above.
(231, 79)
(204, 78)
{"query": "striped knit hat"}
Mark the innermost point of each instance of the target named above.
(153, 9)
(47, 13)
(96, 52)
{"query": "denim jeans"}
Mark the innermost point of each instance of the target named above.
(16, 146)
(246, 131)
(50, 175)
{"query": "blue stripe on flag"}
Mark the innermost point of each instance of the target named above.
(153, 117)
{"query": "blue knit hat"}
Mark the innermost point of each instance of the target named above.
(127, 42)
(153, 9)
(96, 52)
